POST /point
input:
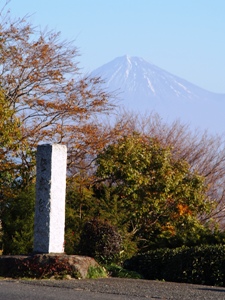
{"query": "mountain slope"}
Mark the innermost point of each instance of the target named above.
(144, 87)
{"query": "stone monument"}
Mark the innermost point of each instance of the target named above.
(48, 258)
(49, 223)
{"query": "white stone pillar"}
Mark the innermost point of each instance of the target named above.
(49, 223)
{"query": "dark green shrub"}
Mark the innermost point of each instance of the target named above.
(17, 216)
(119, 272)
(80, 207)
(100, 240)
(198, 265)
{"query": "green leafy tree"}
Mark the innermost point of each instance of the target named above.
(153, 195)
(204, 152)
(9, 136)
(9, 125)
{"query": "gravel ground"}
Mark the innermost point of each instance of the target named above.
(136, 288)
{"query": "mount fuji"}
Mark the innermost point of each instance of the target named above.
(143, 88)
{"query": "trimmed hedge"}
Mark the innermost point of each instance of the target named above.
(198, 265)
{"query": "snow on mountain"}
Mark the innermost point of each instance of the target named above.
(144, 87)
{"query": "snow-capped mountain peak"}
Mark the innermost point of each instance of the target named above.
(143, 86)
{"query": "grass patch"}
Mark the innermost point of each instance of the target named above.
(118, 271)
(96, 272)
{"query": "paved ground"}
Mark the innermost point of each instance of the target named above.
(106, 289)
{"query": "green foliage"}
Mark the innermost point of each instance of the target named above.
(119, 272)
(80, 207)
(9, 125)
(96, 272)
(9, 142)
(100, 240)
(17, 216)
(198, 265)
(149, 192)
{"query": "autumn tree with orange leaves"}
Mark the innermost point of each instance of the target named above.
(45, 99)
(48, 96)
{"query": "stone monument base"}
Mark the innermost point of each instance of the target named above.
(46, 266)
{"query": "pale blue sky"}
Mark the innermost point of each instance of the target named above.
(184, 37)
